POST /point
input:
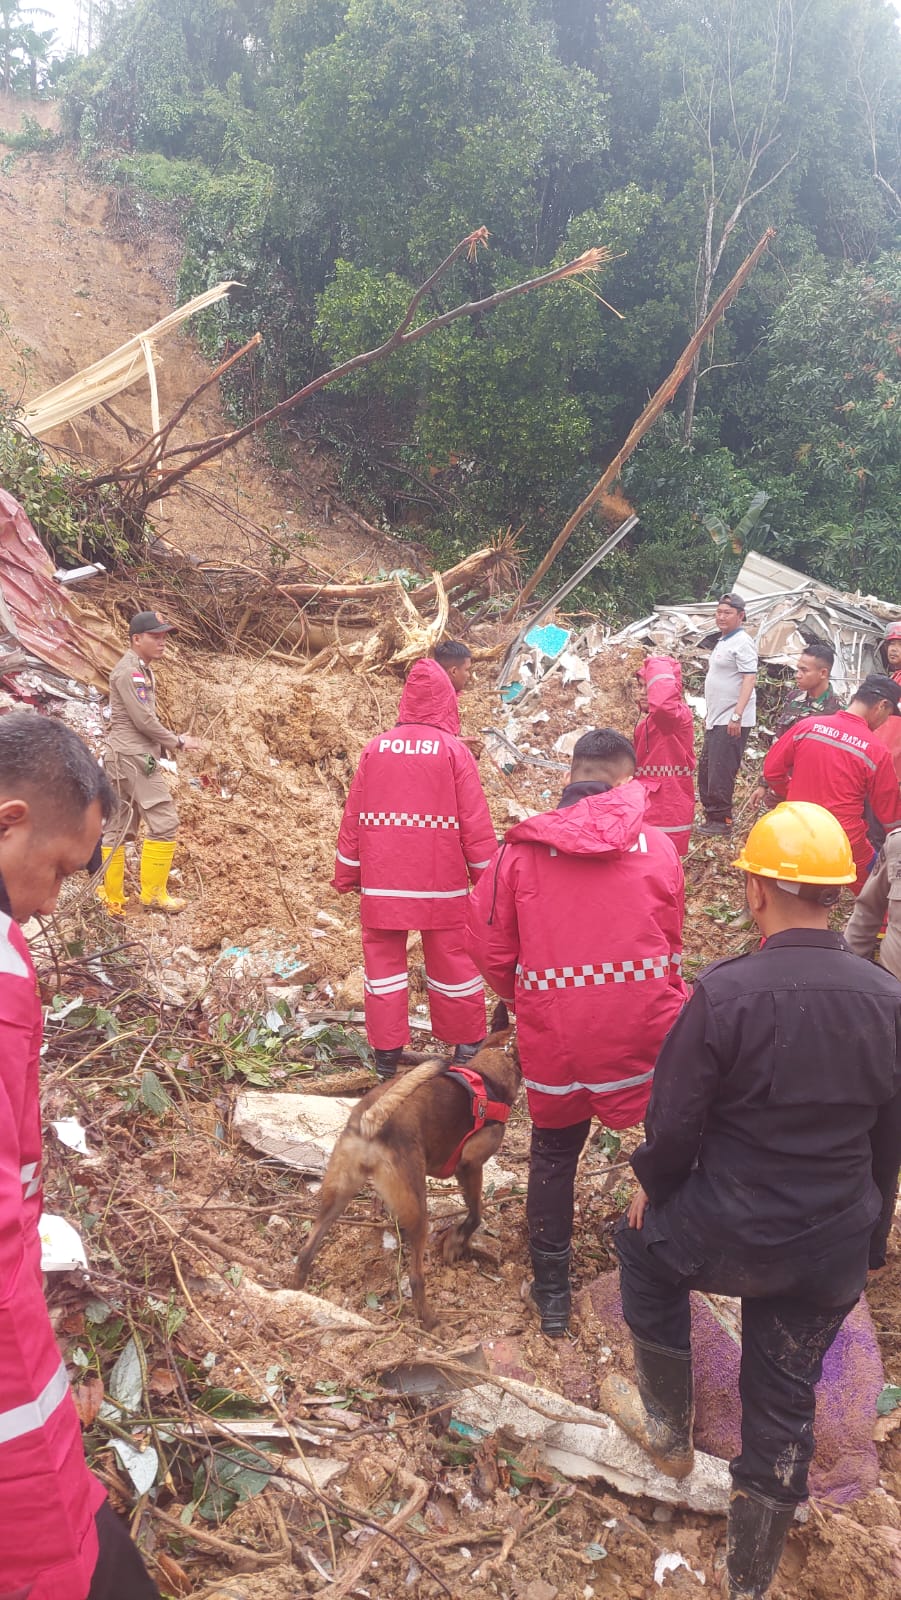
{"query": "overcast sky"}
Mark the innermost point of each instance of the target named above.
(64, 16)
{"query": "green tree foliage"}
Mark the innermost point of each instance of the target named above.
(24, 48)
(333, 151)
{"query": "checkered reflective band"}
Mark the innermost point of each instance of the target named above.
(599, 972)
(406, 819)
(663, 772)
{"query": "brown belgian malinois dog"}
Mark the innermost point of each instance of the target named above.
(432, 1120)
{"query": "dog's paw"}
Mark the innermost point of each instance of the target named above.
(453, 1245)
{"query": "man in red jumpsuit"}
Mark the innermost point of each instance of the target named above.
(578, 923)
(838, 763)
(416, 830)
(59, 1538)
(890, 654)
(665, 749)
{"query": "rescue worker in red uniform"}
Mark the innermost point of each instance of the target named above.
(665, 749)
(416, 831)
(889, 653)
(837, 762)
(456, 659)
(59, 1537)
(578, 924)
(769, 1171)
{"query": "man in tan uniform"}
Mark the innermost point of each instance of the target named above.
(137, 739)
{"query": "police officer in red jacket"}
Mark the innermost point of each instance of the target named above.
(840, 762)
(59, 1538)
(416, 831)
(665, 749)
(578, 923)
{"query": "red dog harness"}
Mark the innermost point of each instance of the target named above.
(483, 1110)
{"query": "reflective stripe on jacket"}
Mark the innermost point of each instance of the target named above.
(665, 751)
(416, 828)
(578, 921)
(838, 763)
(48, 1498)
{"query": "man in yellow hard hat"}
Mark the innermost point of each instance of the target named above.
(769, 1171)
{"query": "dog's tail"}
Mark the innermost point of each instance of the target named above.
(375, 1116)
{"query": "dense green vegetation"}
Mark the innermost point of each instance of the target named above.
(331, 152)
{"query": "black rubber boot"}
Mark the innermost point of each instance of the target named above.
(757, 1532)
(549, 1291)
(465, 1052)
(386, 1062)
(658, 1410)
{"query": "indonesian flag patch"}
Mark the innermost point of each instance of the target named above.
(140, 685)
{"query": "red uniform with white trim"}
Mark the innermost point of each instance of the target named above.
(416, 831)
(578, 922)
(890, 732)
(48, 1498)
(665, 751)
(838, 763)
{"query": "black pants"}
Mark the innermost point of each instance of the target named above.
(550, 1197)
(120, 1573)
(717, 771)
(790, 1316)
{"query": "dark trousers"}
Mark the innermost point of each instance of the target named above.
(550, 1197)
(120, 1573)
(717, 771)
(790, 1316)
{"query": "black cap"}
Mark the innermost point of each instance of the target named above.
(735, 600)
(886, 688)
(149, 622)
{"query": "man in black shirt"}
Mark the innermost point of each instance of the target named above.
(769, 1171)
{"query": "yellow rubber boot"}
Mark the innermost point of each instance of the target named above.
(156, 860)
(111, 888)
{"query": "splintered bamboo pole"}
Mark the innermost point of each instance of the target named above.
(648, 417)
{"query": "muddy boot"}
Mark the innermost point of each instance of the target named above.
(386, 1062)
(658, 1411)
(756, 1535)
(549, 1292)
(465, 1052)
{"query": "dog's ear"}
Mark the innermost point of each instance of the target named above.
(500, 1018)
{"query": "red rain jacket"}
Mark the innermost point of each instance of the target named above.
(416, 826)
(48, 1498)
(838, 763)
(665, 749)
(578, 921)
(890, 732)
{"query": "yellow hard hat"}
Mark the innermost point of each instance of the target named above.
(798, 842)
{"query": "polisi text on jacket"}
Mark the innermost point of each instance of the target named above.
(410, 747)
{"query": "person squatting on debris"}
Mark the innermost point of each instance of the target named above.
(578, 923)
(878, 904)
(665, 749)
(836, 762)
(136, 742)
(769, 1171)
(416, 829)
(814, 695)
(59, 1537)
(731, 700)
(456, 659)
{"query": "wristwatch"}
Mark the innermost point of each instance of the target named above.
(735, 717)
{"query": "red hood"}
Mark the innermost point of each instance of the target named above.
(600, 825)
(430, 697)
(661, 664)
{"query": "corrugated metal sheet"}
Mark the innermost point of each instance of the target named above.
(40, 615)
(759, 575)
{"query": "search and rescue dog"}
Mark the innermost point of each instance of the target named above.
(437, 1120)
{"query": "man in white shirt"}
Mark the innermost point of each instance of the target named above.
(729, 692)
